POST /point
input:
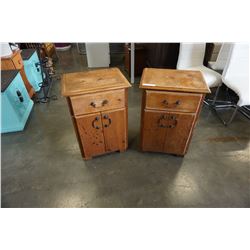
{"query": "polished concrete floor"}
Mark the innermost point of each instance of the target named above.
(42, 166)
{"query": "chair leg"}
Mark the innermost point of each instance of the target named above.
(245, 111)
(211, 102)
(231, 118)
(216, 95)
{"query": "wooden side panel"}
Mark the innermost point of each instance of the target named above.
(17, 60)
(75, 127)
(27, 83)
(177, 137)
(7, 64)
(91, 134)
(195, 122)
(114, 128)
(153, 136)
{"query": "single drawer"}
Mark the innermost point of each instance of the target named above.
(18, 61)
(89, 103)
(172, 101)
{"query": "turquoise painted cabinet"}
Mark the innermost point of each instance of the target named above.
(16, 104)
(32, 68)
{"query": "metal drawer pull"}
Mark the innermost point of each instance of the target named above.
(19, 94)
(99, 104)
(106, 117)
(93, 123)
(166, 117)
(104, 102)
(93, 104)
(165, 102)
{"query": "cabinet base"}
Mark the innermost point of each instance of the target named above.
(111, 152)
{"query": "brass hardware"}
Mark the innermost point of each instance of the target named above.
(93, 104)
(93, 123)
(104, 102)
(165, 102)
(167, 117)
(107, 118)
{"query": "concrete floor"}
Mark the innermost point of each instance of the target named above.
(42, 166)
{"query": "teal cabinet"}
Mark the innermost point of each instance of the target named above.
(16, 104)
(32, 68)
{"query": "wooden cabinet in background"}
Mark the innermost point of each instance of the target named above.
(15, 62)
(171, 104)
(98, 105)
(140, 59)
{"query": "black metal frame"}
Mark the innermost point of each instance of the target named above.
(215, 104)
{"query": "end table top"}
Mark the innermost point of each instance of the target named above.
(93, 81)
(174, 80)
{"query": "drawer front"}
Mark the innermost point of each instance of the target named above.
(172, 101)
(96, 102)
(18, 61)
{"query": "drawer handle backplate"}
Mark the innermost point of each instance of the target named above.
(99, 103)
(93, 122)
(165, 102)
(171, 121)
(106, 117)
(19, 94)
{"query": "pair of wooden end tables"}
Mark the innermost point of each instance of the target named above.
(98, 104)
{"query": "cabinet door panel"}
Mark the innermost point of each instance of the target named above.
(91, 134)
(177, 137)
(167, 131)
(115, 129)
(153, 137)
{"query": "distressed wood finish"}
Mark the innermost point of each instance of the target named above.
(15, 62)
(171, 104)
(97, 102)
(174, 80)
(91, 134)
(89, 103)
(114, 128)
(172, 101)
(93, 81)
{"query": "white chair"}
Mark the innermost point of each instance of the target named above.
(191, 57)
(236, 77)
(222, 57)
(98, 54)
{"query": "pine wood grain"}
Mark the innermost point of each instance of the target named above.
(98, 105)
(173, 80)
(170, 109)
(93, 81)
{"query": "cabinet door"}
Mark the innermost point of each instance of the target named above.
(115, 129)
(167, 132)
(91, 134)
(179, 133)
(153, 136)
